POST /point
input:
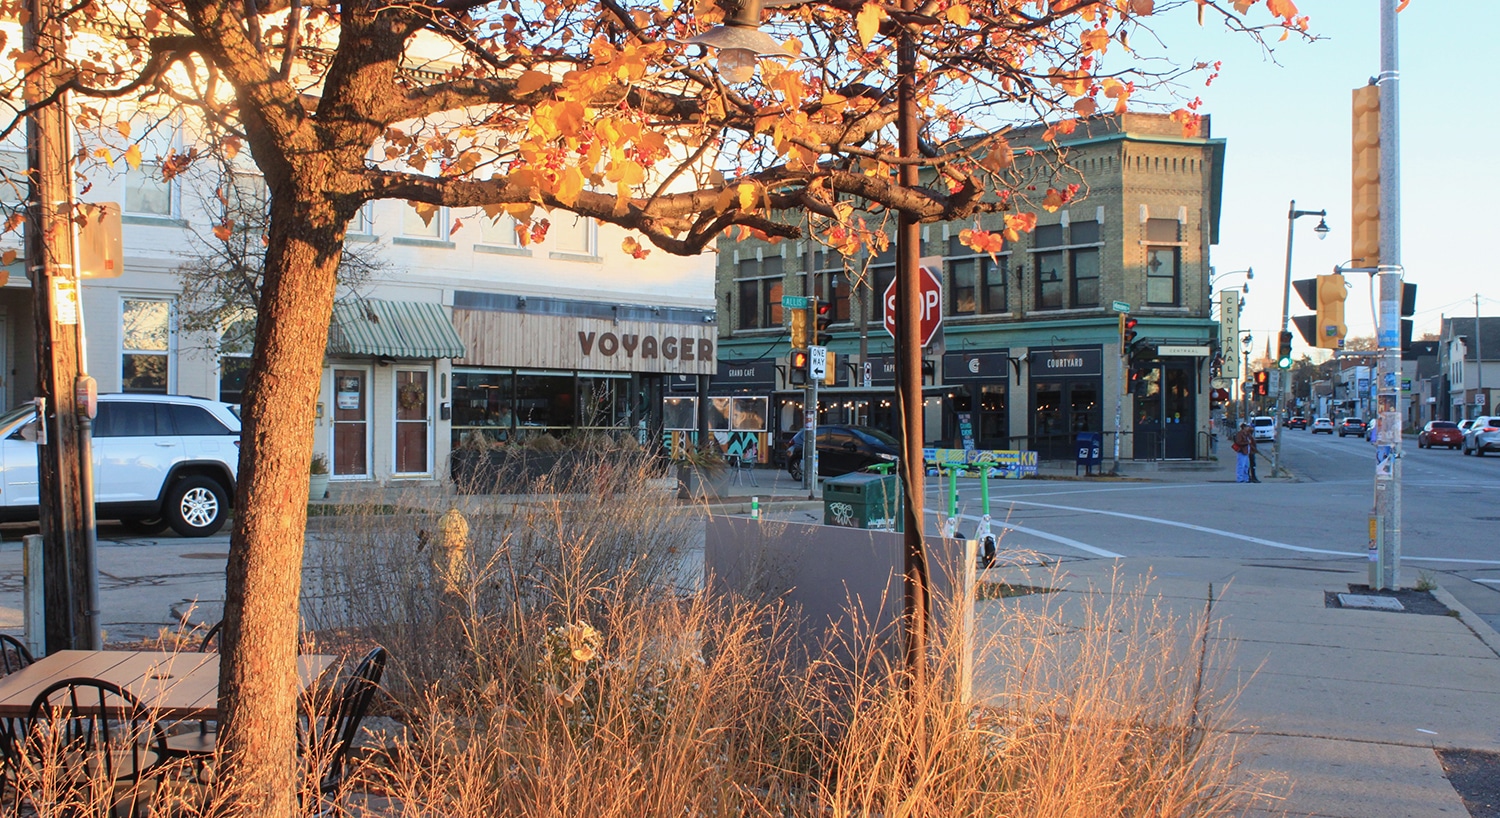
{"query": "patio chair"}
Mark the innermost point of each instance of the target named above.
(92, 731)
(13, 655)
(335, 724)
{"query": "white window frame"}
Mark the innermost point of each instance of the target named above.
(437, 231)
(590, 237)
(154, 146)
(500, 232)
(171, 351)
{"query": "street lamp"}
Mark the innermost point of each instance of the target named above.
(1249, 274)
(1245, 342)
(739, 42)
(1322, 230)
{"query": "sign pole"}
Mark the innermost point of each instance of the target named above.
(1385, 571)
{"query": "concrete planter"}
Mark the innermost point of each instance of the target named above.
(317, 486)
(699, 483)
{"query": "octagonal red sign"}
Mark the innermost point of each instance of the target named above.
(930, 282)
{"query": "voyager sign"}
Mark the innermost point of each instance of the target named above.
(670, 347)
(494, 338)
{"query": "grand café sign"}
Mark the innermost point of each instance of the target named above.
(513, 339)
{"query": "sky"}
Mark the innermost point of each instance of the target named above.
(1286, 123)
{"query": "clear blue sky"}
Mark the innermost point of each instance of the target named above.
(1286, 121)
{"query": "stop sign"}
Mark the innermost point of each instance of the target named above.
(930, 285)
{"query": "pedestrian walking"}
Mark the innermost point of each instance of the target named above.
(1244, 451)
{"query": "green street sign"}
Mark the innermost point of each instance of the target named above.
(1121, 306)
(794, 302)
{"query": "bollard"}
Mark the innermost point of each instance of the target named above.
(455, 539)
(755, 508)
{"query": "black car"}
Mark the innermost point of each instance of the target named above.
(843, 449)
(1298, 422)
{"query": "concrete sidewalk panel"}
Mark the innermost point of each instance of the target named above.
(1341, 779)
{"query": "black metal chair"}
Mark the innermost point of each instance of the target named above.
(211, 639)
(13, 655)
(90, 732)
(335, 724)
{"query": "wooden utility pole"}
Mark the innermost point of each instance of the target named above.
(50, 256)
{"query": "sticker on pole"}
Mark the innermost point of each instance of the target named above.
(65, 301)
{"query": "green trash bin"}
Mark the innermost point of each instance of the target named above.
(862, 500)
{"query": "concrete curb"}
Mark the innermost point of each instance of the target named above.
(1481, 629)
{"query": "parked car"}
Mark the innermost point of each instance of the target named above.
(843, 449)
(1353, 426)
(1440, 433)
(1483, 436)
(1263, 428)
(1297, 422)
(159, 461)
(1322, 425)
(1463, 425)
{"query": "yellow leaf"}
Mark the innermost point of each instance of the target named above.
(868, 22)
(133, 157)
(1284, 9)
(123, 127)
(103, 153)
(1052, 201)
(425, 211)
(569, 186)
(1085, 107)
(958, 14)
(747, 195)
(531, 81)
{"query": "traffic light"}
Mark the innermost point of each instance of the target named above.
(831, 374)
(1408, 308)
(799, 328)
(1284, 350)
(1331, 295)
(823, 318)
(1365, 195)
(1127, 332)
(1262, 382)
(797, 364)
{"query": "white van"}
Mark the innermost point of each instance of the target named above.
(1264, 428)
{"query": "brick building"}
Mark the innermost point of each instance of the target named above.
(1029, 354)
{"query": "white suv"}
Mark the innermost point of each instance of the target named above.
(1263, 428)
(159, 460)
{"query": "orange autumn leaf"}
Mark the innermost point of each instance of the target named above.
(633, 248)
(1095, 39)
(133, 157)
(1052, 200)
(224, 230)
(1284, 9)
(8, 257)
(1085, 107)
(532, 81)
(746, 192)
(958, 14)
(867, 22)
(1021, 222)
(1142, 7)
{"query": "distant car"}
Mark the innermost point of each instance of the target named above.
(1463, 425)
(1353, 426)
(844, 449)
(1440, 433)
(1322, 425)
(1483, 436)
(1298, 422)
(1263, 428)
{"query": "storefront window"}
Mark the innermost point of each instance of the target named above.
(482, 403)
(679, 414)
(749, 415)
(543, 402)
(605, 401)
(718, 414)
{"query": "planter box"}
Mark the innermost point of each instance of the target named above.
(700, 484)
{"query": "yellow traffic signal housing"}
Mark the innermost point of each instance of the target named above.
(1365, 194)
(1331, 295)
(831, 372)
(799, 328)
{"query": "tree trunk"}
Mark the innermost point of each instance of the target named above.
(258, 676)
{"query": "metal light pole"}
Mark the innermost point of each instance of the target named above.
(1286, 307)
(1385, 570)
(1244, 378)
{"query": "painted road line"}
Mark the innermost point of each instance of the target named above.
(1489, 581)
(1042, 535)
(1235, 536)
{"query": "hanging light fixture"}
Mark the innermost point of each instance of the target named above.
(740, 43)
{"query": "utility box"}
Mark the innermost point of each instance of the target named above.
(862, 500)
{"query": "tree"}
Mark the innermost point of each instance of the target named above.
(596, 107)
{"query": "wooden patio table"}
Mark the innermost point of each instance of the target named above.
(182, 685)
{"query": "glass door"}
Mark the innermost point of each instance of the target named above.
(1179, 421)
(351, 421)
(413, 421)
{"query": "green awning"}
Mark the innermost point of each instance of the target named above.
(396, 329)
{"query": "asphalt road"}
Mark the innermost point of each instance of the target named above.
(1450, 514)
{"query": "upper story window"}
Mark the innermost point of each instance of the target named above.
(434, 227)
(571, 235)
(247, 200)
(758, 286)
(830, 283)
(976, 282)
(1163, 263)
(363, 223)
(12, 180)
(235, 345)
(145, 345)
(1067, 265)
(147, 193)
(498, 232)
